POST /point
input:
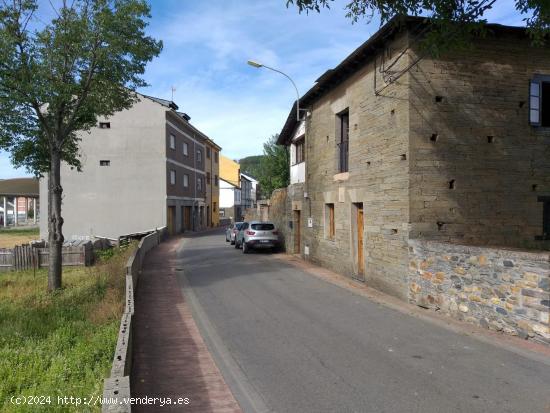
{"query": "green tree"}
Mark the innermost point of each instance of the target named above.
(452, 23)
(57, 77)
(274, 167)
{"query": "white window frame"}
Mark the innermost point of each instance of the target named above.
(172, 141)
(172, 177)
(199, 183)
(185, 148)
(185, 180)
(199, 156)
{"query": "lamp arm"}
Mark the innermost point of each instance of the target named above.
(295, 88)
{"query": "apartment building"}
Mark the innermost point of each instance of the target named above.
(142, 168)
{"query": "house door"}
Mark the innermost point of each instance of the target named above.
(187, 218)
(171, 222)
(360, 234)
(297, 226)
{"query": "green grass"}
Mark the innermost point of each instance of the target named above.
(18, 236)
(59, 344)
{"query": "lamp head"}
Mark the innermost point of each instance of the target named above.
(254, 64)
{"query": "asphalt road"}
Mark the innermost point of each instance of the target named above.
(287, 341)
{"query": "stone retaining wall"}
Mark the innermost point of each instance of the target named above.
(503, 290)
(116, 388)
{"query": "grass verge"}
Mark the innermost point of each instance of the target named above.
(11, 237)
(59, 344)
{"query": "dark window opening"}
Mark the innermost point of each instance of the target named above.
(104, 125)
(545, 105)
(343, 141)
(208, 153)
(452, 184)
(546, 220)
(216, 157)
(104, 163)
(299, 156)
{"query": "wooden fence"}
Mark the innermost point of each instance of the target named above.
(26, 257)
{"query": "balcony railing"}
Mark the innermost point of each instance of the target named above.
(343, 156)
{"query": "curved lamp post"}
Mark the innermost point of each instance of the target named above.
(258, 65)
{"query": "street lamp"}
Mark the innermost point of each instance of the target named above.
(259, 65)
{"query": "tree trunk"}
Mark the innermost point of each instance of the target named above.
(55, 222)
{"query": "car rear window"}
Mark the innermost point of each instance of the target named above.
(263, 227)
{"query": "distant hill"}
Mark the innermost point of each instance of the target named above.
(251, 165)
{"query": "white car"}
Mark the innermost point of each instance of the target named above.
(231, 232)
(257, 235)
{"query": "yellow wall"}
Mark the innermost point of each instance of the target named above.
(230, 171)
(213, 190)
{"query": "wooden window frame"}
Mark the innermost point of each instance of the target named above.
(330, 226)
(343, 140)
(299, 151)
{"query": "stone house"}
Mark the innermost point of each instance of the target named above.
(142, 168)
(400, 158)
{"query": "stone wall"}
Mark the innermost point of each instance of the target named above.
(278, 212)
(504, 290)
(477, 167)
(377, 178)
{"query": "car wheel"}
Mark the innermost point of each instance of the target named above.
(245, 248)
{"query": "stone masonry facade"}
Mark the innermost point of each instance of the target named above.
(440, 152)
(503, 290)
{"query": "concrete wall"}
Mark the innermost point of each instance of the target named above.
(127, 196)
(503, 290)
(378, 178)
(479, 137)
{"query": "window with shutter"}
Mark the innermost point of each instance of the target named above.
(534, 103)
(539, 101)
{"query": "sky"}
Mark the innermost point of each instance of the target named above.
(207, 44)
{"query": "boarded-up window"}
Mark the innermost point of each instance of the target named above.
(329, 221)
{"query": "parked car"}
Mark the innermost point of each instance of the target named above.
(232, 231)
(257, 235)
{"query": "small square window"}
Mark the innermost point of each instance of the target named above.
(172, 177)
(104, 125)
(172, 142)
(185, 180)
(185, 149)
(104, 162)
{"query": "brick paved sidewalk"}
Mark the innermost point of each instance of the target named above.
(170, 357)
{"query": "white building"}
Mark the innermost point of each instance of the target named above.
(230, 201)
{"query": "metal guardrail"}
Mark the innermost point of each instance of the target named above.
(116, 388)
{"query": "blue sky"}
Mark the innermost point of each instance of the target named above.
(207, 44)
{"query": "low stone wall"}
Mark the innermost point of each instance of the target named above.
(116, 388)
(503, 290)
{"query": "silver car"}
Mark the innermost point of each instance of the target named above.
(231, 232)
(257, 235)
